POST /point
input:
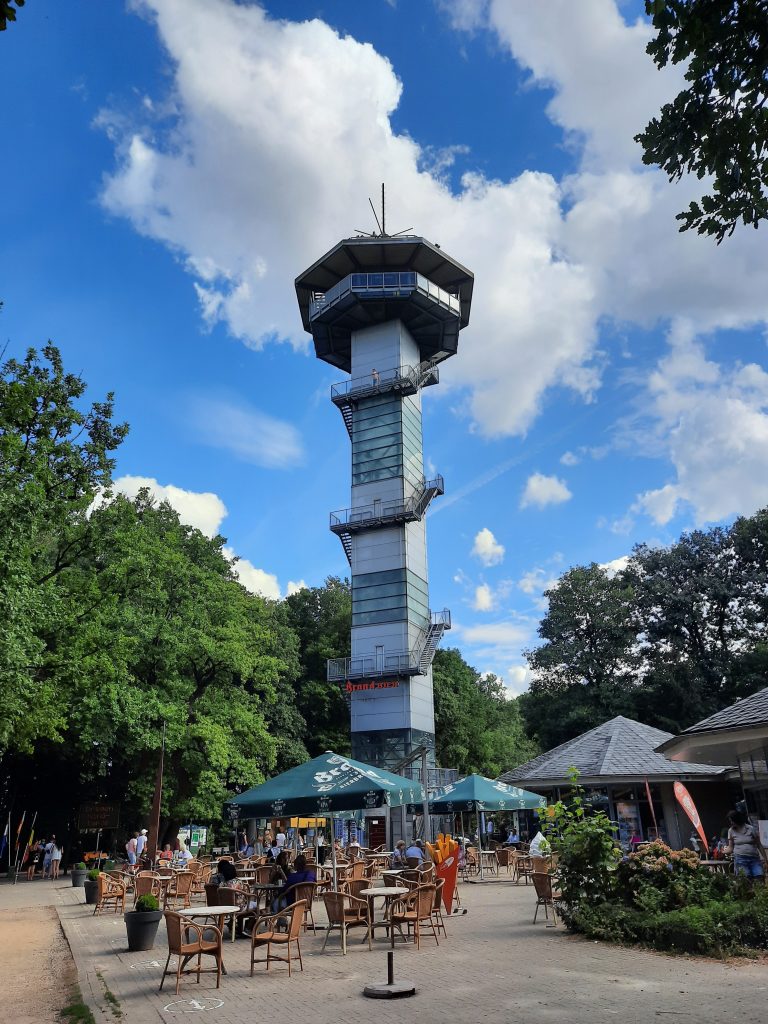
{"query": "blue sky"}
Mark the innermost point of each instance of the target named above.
(171, 165)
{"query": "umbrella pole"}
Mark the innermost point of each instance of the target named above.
(480, 845)
(333, 853)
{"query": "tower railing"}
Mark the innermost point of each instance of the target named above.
(405, 379)
(383, 284)
(381, 513)
(403, 663)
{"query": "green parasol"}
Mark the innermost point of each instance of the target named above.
(476, 793)
(327, 785)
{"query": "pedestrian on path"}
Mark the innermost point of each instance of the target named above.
(56, 855)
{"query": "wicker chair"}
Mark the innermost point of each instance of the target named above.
(540, 865)
(545, 896)
(415, 911)
(229, 896)
(270, 936)
(264, 873)
(147, 884)
(303, 892)
(110, 891)
(179, 890)
(505, 859)
(187, 940)
(344, 912)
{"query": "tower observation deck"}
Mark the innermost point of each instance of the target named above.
(387, 310)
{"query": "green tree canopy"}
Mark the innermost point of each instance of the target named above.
(717, 127)
(54, 459)
(478, 729)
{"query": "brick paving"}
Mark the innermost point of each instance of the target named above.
(494, 966)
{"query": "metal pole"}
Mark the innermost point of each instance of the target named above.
(424, 780)
(333, 852)
(480, 845)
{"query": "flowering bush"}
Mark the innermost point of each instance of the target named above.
(657, 856)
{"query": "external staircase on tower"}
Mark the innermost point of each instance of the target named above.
(403, 380)
(345, 522)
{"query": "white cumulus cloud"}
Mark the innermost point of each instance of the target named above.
(204, 510)
(484, 600)
(294, 586)
(541, 490)
(487, 548)
(711, 421)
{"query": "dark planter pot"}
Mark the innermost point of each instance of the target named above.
(78, 876)
(141, 926)
(91, 891)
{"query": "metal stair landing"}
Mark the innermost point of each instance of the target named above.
(405, 380)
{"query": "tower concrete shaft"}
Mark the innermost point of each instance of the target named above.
(387, 310)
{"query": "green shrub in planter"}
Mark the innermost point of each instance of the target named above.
(93, 875)
(78, 874)
(141, 924)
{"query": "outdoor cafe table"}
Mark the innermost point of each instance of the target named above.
(389, 892)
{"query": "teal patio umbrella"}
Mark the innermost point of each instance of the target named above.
(476, 793)
(326, 786)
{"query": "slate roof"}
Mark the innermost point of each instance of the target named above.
(618, 749)
(744, 714)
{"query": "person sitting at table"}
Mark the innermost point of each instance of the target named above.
(415, 850)
(280, 871)
(300, 873)
(225, 875)
(512, 836)
(167, 853)
(185, 855)
(397, 860)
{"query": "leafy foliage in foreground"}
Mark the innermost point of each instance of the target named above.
(717, 127)
(662, 898)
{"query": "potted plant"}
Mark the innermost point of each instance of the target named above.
(92, 886)
(78, 874)
(142, 923)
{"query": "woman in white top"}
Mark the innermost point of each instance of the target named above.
(56, 855)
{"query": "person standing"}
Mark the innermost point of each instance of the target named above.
(745, 846)
(130, 848)
(280, 837)
(56, 855)
(141, 843)
(33, 858)
(321, 848)
(47, 852)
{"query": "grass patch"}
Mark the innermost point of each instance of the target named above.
(114, 1002)
(76, 1012)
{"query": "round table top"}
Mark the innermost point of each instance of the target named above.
(267, 885)
(384, 890)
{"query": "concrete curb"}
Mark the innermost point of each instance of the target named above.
(91, 989)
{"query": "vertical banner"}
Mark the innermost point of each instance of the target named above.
(448, 870)
(685, 800)
(653, 812)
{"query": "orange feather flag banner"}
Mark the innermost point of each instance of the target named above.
(685, 800)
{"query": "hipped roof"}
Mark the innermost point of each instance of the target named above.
(618, 750)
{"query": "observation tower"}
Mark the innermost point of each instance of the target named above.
(387, 309)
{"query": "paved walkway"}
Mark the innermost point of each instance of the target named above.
(495, 966)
